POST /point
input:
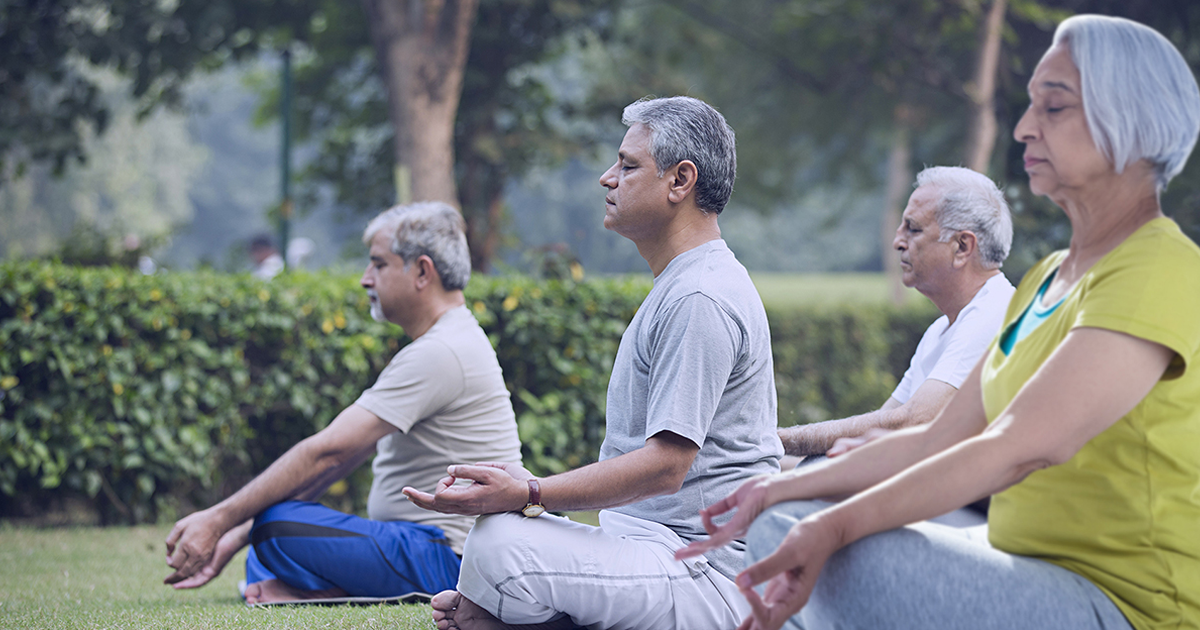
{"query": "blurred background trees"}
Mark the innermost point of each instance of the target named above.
(152, 118)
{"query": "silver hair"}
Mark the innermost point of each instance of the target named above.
(971, 202)
(427, 228)
(1139, 96)
(684, 128)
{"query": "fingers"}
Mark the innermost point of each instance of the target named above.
(758, 610)
(844, 445)
(418, 498)
(173, 538)
(778, 562)
(196, 581)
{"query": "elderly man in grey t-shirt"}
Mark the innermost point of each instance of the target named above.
(691, 415)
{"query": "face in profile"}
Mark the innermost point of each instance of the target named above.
(1060, 155)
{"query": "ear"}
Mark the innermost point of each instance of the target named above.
(426, 273)
(682, 180)
(966, 245)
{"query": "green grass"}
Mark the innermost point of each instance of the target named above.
(112, 578)
(792, 290)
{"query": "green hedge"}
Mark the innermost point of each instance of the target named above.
(151, 395)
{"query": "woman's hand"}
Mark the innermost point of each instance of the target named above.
(750, 499)
(791, 573)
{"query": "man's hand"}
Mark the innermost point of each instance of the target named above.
(227, 547)
(191, 544)
(750, 499)
(496, 487)
(792, 569)
(847, 444)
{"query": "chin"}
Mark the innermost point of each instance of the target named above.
(377, 312)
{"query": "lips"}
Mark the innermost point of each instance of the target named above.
(1030, 162)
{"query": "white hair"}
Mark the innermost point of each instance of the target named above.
(1139, 96)
(427, 228)
(970, 201)
(685, 128)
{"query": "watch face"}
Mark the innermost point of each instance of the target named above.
(533, 510)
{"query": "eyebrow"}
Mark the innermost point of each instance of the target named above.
(1059, 85)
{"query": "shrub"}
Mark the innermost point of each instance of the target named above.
(153, 395)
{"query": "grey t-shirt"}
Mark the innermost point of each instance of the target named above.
(445, 393)
(696, 361)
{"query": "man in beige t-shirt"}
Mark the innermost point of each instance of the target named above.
(441, 400)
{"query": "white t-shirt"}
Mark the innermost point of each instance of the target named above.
(948, 353)
(446, 395)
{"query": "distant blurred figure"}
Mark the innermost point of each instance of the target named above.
(267, 261)
(298, 250)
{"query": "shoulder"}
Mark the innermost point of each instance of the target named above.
(1157, 258)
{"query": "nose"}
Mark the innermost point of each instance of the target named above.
(367, 280)
(609, 178)
(1026, 128)
(899, 243)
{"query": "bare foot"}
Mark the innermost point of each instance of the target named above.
(270, 591)
(452, 611)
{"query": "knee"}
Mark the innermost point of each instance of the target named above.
(774, 523)
(491, 542)
(279, 512)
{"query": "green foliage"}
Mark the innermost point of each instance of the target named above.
(153, 395)
(834, 361)
(164, 392)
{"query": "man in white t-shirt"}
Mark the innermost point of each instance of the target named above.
(440, 400)
(952, 239)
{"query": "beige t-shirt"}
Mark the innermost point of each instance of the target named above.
(445, 393)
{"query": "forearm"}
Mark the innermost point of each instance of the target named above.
(295, 475)
(964, 473)
(854, 471)
(607, 484)
(817, 438)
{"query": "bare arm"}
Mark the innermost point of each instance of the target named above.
(1093, 379)
(817, 438)
(850, 473)
(303, 472)
(657, 468)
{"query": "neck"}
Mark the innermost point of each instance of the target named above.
(1101, 221)
(433, 309)
(952, 301)
(691, 228)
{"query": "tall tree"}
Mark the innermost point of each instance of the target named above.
(421, 49)
(407, 58)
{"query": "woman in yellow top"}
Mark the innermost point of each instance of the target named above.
(1083, 418)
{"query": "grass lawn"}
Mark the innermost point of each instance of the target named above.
(791, 290)
(112, 578)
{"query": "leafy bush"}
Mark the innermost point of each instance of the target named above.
(154, 395)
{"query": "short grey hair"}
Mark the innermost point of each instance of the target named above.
(971, 202)
(684, 128)
(427, 228)
(1139, 96)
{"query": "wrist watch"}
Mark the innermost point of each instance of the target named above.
(534, 507)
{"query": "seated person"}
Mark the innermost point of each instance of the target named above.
(442, 398)
(952, 239)
(1082, 418)
(691, 414)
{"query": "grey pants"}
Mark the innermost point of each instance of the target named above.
(931, 577)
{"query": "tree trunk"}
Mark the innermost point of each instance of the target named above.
(982, 91)
(899, 183)
(421, 47)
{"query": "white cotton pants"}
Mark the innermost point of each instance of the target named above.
(622, 574)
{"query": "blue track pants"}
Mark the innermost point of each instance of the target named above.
(312, 547)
